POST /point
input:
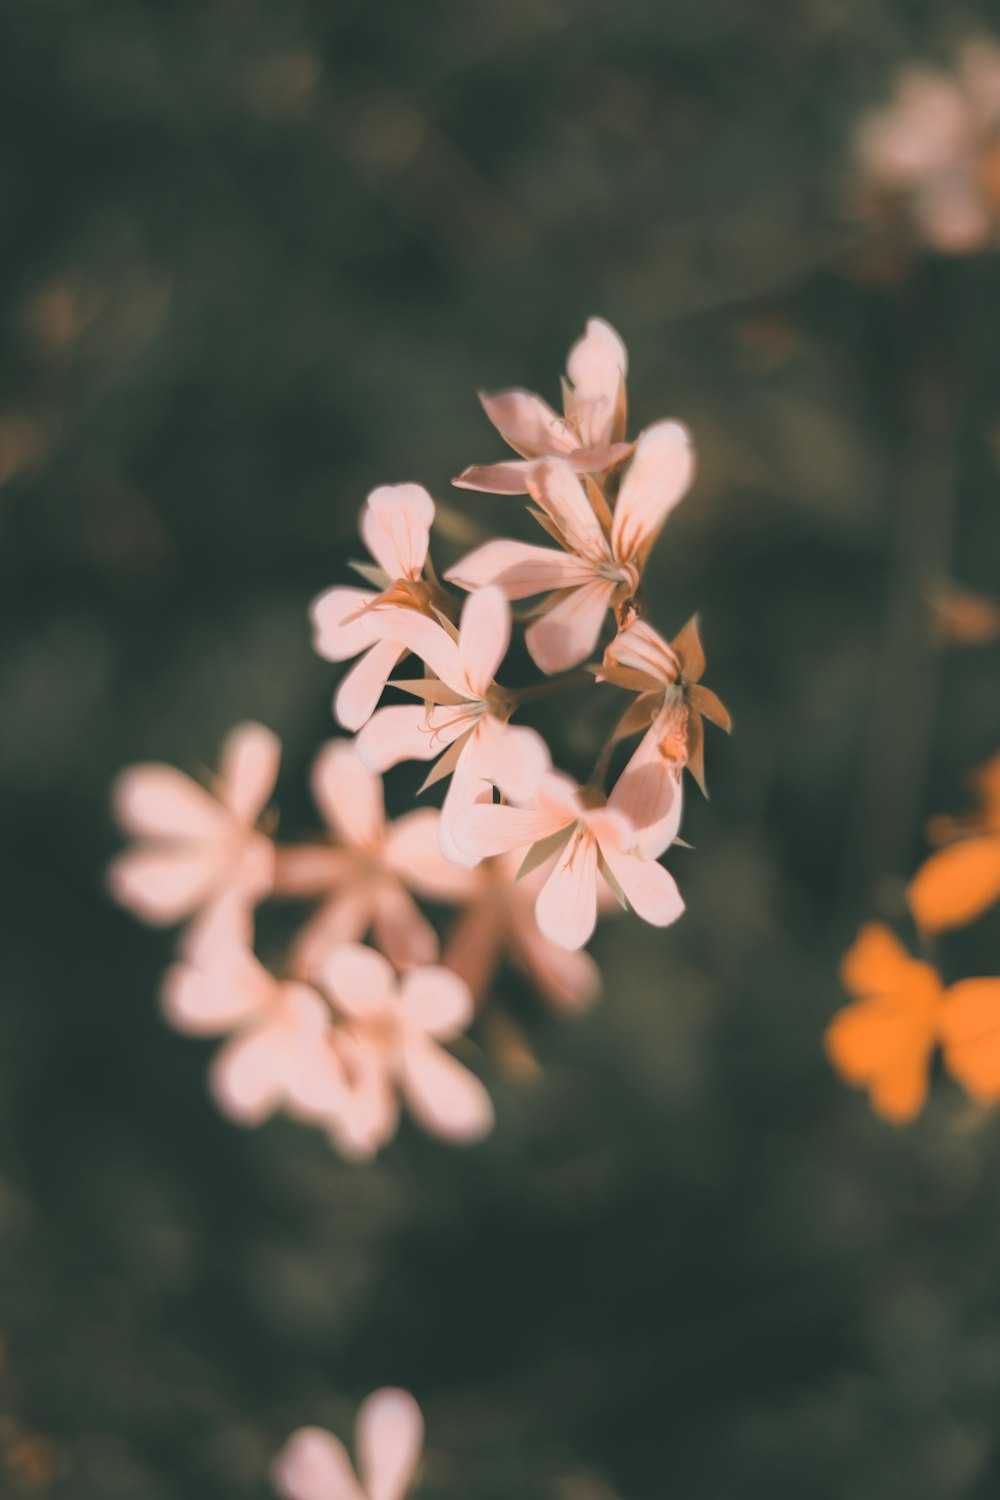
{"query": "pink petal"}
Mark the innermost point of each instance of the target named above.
(360, 981)
(155, 801)
(511, 757)
(162, 885)
(650, 889)
(390, 1440)
(643, 649)
(435, 1000)
(313, 1465)
(342, 625)
(444, 1096)
(204, 1002)
(656, 479)
(490, 828)
(519, 569)
(558, 492)
(407, 733)
(357, 696)
(311, 869)
(648, 793)
(497, 479)
(483, 638)
(568, 634)
(249, 769)
(369, 1115)
(528, 423)
(400, 928)
(412, 851)
(245, 1077)
(348, 794)
(570, 979)
(223, 928)
(396, 524)
(566, 909)
(345, 918)
(597, 366)
(468, 786)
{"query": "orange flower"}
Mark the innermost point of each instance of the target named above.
(885, 1040)
(959, 883)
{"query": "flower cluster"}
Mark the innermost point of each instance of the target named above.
(933, 153)
(363, 1007)
(885, 1040)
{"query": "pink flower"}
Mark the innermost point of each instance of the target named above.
(591, 842)
(366, 877)
(464, 715)
(196, 847)
(278, 1030)
(603, 555)
(671, 697)
(934, 147)
(395, 525)
(589, 435)
(395, 1027)
(313, 1465)
(499, 919)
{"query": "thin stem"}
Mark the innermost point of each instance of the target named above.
(564, 684)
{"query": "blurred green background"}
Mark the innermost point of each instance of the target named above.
(257, 258)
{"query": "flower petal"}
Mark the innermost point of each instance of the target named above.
(444, 1096)
(969, 1027)
(528, 423)
(413, 852)
(483, 638)
(345, 918)
(519, 569)
(597, 366)
(876, 963)
(356, 698)
(313, 1465)
(407, 733)
(342, 623)
(206, 1001)
(496, 479)
(348, 794)
(558, 492)
(435, 1000)
(396, 524)
(566, 909)
(878, 1043)
(648, 792)
(492, 828)
(249, 769)
(650, 889)
(656, 479)
(164, 884)
(566, 635)
(360, 981)
(511, 757)
(956, 885)
(246, 1077)
(390, 1439)
(156, 801)
(469, 785)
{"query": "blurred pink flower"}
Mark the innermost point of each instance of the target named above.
(592, 843)
(590, 433)
(313, 1465)
(464, 715)
(394, 1028)
(196, 847)
(395, 525)
(936, 146)
(368, 875)
(603, 555)
(500, 920)
(278, 1030)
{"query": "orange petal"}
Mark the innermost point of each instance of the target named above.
(876, 963)
(882, 1045)
(970, 1035)
(956, 885)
